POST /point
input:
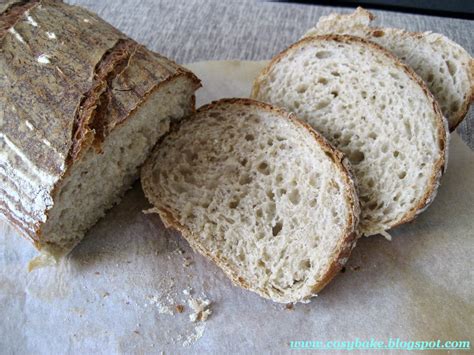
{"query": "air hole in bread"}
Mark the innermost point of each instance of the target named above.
(305, 264)
(384, 148)
(323, 54)
(372, 205)
(279, 179)
(234, 203)
(356, 157)
(451, 67)
(394, 75)
(396, 153)
(259, 213)
(335, 73)
(402, 175)
(245, 179)
(301, 89)
(363, 94)
(373, 135)
(244, 162)
(249, 137)
(323, 81)
(294, 196)
(322, 104)
(270, 195)
(277, 228)
(370, 183)
(335, 93)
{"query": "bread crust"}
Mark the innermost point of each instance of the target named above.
(441, 122)
(346, 243)
(53, 146)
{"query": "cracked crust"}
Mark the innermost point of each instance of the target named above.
(441, 123)
(346, 243)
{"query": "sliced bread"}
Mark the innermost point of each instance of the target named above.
(260, 193)
(375, 110)
(445, 66)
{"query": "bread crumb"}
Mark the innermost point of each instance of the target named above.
(201, 309)
(355, 268)
(162, 308)
(179, 308)
(290, 307)
(199, 331)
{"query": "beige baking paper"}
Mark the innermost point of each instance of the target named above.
(117, 292)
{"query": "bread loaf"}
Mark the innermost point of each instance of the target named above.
(375, 110)
(446, 67)
(260, 193)
(81, 107)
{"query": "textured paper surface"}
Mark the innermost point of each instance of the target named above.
(114, 293)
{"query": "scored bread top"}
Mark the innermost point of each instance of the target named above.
(260, 193)
(375, 110)
(446, 67)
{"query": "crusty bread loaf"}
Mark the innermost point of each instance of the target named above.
(375, 110)
(446, 67)
(258, 192)
(81, 109)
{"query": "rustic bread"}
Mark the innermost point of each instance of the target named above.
(446, 67)
(82, 107)
(375, 110)
(258, 192)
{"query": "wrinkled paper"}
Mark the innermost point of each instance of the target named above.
(119, 290)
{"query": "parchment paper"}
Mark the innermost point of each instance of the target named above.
(117, 291)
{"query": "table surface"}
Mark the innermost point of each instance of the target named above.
(195, 30)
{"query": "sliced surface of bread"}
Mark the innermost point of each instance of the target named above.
(375, 110)
(258, 192)
(446, 67)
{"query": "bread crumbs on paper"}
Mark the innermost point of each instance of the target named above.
(201, 309)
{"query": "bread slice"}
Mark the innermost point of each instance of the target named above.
(446, 67)
(260, 193)
(82, 106)
(375, 110)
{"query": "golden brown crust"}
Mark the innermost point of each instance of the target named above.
(346, 242)
(442, 133)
